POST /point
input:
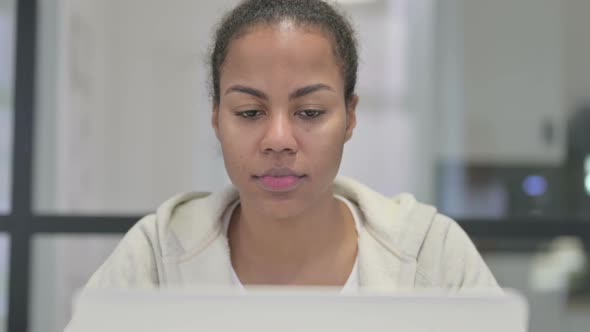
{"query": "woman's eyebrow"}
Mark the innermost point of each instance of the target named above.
(294, 95)
(247, 90)
(309, 89)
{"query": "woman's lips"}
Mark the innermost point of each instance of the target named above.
(279, 183)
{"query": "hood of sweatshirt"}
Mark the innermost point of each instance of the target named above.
(192, 240)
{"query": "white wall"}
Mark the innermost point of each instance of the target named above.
(507, 81)
(7, 28)
(131, 117)
(577, 52)
(130, 125)
(390, 150)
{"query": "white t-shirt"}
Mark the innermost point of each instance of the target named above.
(352, 283)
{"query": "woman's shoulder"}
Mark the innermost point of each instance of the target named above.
(181, 224)
(449, 258)
(443, 252)
(401, 220)
(169, 218)
(185, 221)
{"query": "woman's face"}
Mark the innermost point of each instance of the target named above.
(282, 119)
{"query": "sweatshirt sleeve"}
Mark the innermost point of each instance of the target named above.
(450, 260)
(133, 262)
(463, 265)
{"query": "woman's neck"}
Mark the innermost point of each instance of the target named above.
(317, 246)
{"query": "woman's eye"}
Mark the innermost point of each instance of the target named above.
(249, 114)
(310, 114)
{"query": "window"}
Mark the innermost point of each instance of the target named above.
(487, 121)
(61, 266)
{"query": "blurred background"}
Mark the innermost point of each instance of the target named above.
(479, 107)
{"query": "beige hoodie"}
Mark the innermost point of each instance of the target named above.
(403, 245)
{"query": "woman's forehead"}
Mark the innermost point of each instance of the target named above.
(286, 49)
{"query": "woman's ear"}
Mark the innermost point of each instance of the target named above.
(351, 116)
(215, 119)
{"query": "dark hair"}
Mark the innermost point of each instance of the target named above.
(316, 13)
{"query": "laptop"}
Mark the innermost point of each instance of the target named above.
(288, 310)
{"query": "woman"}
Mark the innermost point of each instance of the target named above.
(284, 103)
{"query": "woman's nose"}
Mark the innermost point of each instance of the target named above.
(279, 135)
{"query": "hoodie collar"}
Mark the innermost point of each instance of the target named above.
(190, 227)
